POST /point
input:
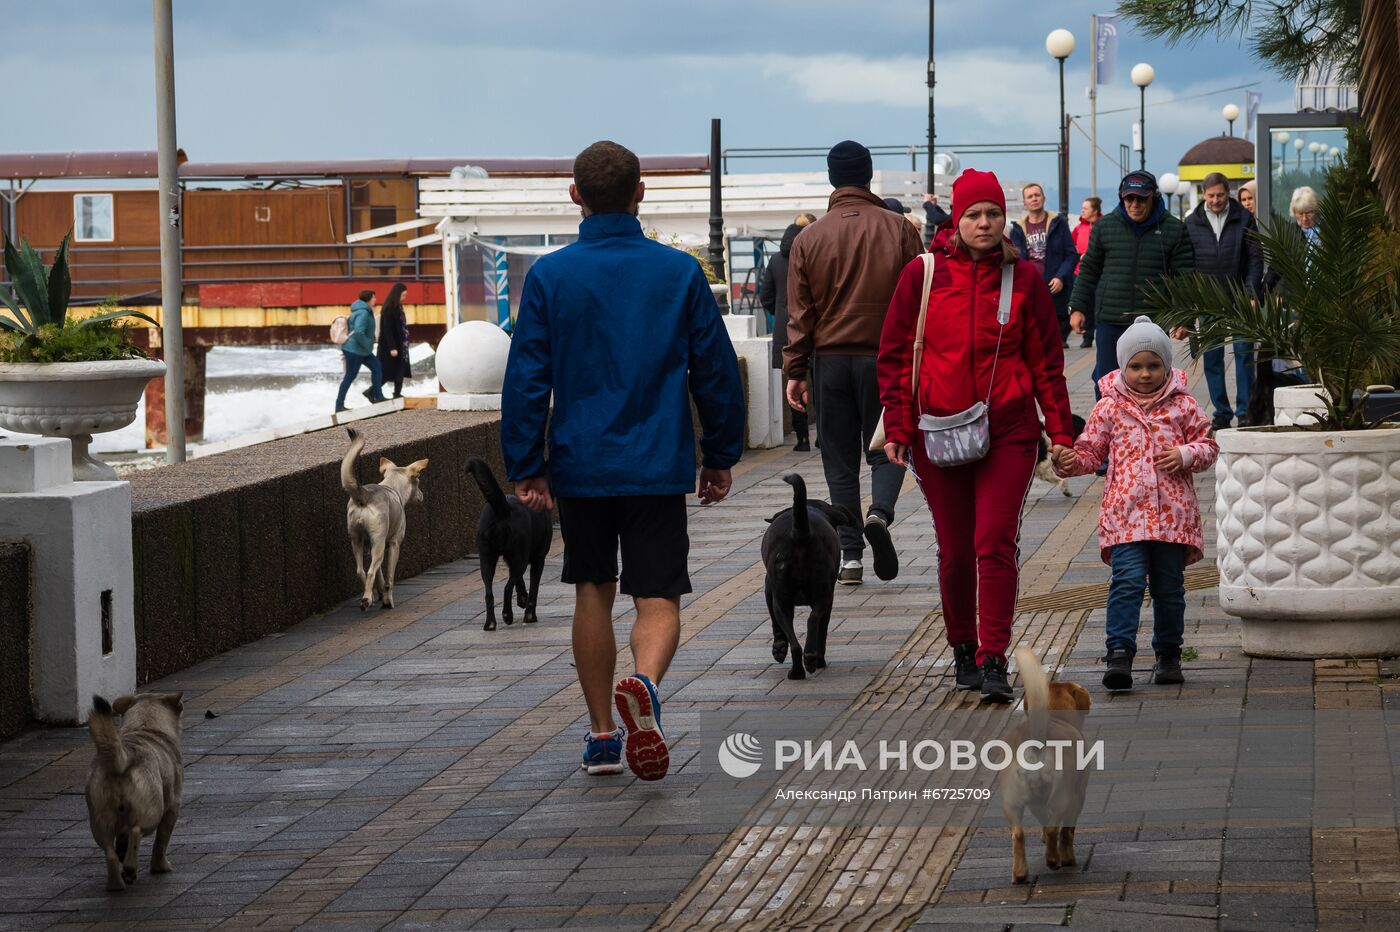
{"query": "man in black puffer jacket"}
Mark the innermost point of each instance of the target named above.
(1225, 238)
(773, 296)
(1129, 249)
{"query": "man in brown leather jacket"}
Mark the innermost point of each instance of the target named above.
(841, 274)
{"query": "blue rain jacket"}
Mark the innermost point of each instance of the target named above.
(621, 331)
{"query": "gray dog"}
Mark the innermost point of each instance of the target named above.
(376, 520)
(134, 787)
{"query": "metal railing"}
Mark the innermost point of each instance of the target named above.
(912, 152)
(202, 266)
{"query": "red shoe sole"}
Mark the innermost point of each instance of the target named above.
(647, 754)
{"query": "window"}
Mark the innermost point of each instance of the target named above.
(92, 218)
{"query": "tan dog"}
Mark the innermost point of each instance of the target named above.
(376, 519)
(134, 787)
(1054, 796)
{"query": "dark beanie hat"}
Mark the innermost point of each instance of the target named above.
(848, 163)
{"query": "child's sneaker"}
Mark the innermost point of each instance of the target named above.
(602, 754)
(640, 709)
(1119, 676)
(1167, 670)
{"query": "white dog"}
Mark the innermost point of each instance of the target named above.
(376, 520)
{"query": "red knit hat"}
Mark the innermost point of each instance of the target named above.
(973, 186)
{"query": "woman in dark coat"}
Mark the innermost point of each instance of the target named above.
(773, 297)
(393, 340)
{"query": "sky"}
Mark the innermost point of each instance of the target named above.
(311, 79)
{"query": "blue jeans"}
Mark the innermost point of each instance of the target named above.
(1213, 361)
(1105, 350)
(1159, 567)
(353, 362)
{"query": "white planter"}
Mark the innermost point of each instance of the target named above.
(1308, 542)
(74, 400)
(1292, 402)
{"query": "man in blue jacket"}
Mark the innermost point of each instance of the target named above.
(1226, 242)
(1043, 238)
(621, 331)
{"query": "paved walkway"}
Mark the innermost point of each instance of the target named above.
(408, 770)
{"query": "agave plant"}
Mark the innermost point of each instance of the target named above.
(39, 297)
(1337, 311)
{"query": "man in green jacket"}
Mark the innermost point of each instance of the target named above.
(1134, 246)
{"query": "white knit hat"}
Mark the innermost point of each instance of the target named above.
(1142, 336)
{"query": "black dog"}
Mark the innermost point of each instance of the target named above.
(509, 530)
(802, 554)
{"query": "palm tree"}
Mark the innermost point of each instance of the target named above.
(1337, 311)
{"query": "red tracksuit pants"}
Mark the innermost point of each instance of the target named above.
(977, 519)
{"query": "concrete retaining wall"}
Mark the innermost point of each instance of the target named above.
(15, 595)
(235, 546)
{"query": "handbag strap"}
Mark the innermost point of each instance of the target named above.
(1008, 271)
(919, 330)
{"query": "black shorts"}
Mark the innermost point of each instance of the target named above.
(651, 530)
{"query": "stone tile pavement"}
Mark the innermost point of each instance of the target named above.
(406, 769)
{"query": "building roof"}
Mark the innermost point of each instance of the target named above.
(1220, 150)
(28, 165)
(48, 165)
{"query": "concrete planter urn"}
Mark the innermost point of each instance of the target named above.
(74, 400)
(1308, 546)
(1293, 402)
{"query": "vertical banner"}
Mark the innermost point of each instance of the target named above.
(1105, 47)
(496, 279)
(1251, 111)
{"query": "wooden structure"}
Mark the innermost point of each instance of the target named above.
(255, 234)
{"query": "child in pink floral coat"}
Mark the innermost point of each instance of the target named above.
(1154, 436)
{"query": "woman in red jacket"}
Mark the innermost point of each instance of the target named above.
(977, 506)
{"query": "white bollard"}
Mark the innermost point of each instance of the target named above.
(471, 365)
(765, 401)
(82, 630)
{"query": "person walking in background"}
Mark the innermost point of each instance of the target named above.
(393, 340)
(1153, 435)
(970, 356)
(1129, 249)
(1224, 238)
(842, 271)
(358, 351)
(934, 217)
(620, 332)
(1249, 196)
(1044, 239)
(1090, 212)
(773, 296)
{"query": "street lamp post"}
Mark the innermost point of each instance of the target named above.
(1060, 45)
(1231, 113)
(1166, 184)
(1298, 147)
(931, 82)
(1183, 188)
(1315, 148)
(1142, 76)
(1282, 137)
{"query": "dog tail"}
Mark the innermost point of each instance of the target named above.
(111, 753)
(1036, 683)
(486, 481)
(348, 482)
(801, 524)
